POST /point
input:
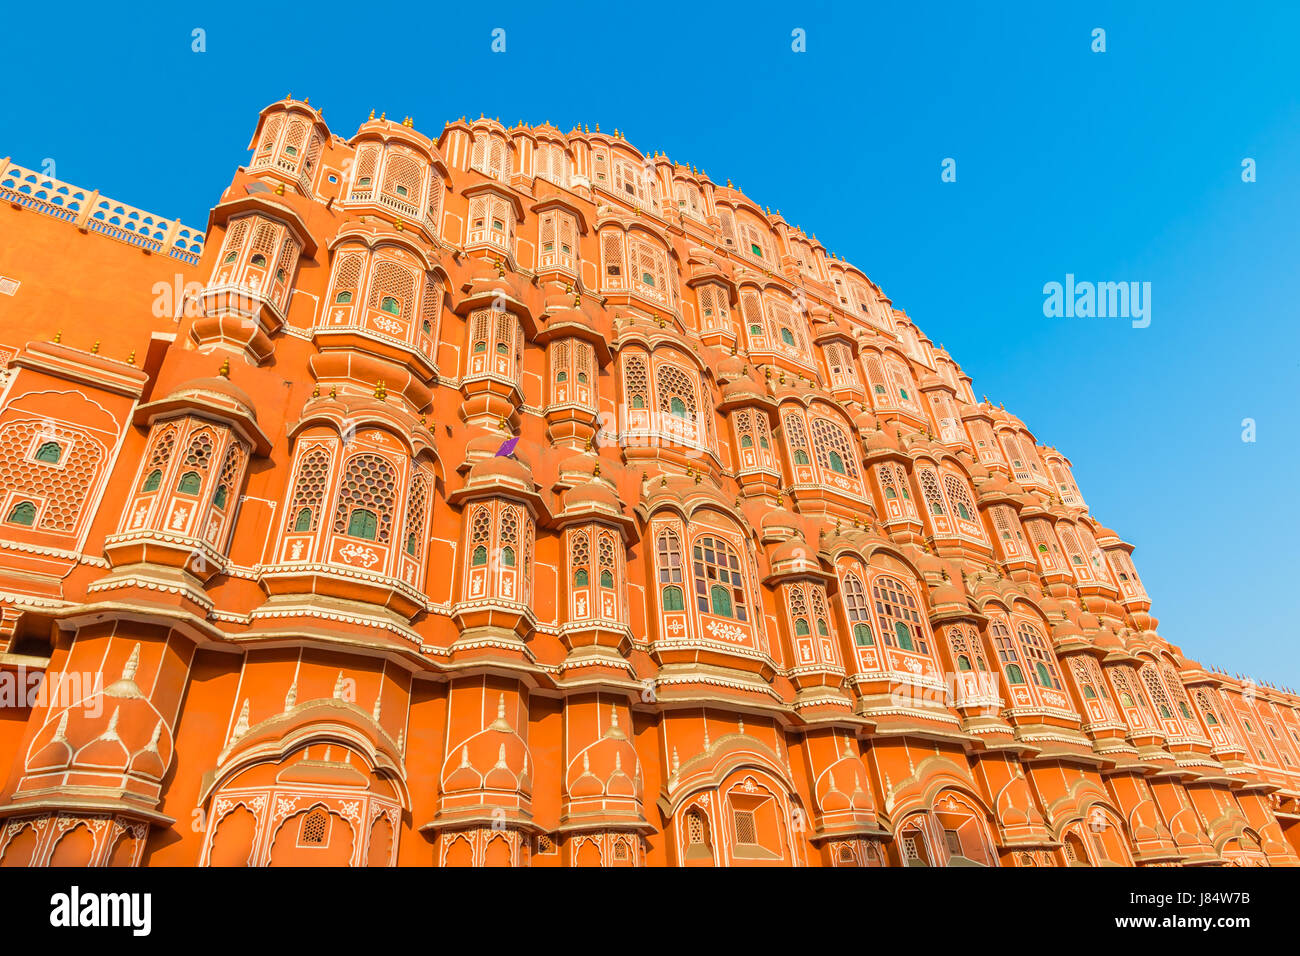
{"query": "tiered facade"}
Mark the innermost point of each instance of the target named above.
(518, 498)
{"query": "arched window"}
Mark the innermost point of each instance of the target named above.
(897, 610)
(309, 489)
(390, 305)
(580, 578)
(23, 513)
(801, 628)
(189, 483)
(1039, 657)
(507, 557)
(1006, 651)
(369, 484)
(668, 558)
(479, 557)
(673, 598)
(152, 482)
(719, 581)
(219, 499)
(833, 448)
(606, 579)
(50, 452)
(315, 827)
(362, 523)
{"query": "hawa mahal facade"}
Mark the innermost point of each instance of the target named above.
(518, 498)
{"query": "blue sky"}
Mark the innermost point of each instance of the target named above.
(1115, 166)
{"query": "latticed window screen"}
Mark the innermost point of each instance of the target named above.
(1151, 677)
(1006, 649)
(402, 177)
(347, 277)
(1126, 683)
(676, 385)
(413, 536)
(605, 554)
(829, 438)
(746, 828)
(668, 550)
(930, 488)
(1041, 661)
(65, 486)
(270, 133)
(1177, 692)
(952, 840)
(226, 481)
(294, 139)
(314, 827)
(611, 249)
(840, 361)
(881, 394)
(798, 604)
(696, 832)
(855, 604)
(309, 490)
(1076, 554)
(796, 437)
(896, 610)
(1003, 520)
(719, 580)
(390, 280)
(580, 558)
(959, 498)
(363, 179)
(164, 443)
(370, 483)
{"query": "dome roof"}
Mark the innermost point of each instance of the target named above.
(218, 391)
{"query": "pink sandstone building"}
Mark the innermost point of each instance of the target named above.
(517, 498)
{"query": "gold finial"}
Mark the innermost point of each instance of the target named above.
(279, 189)
(408, 122)
(383, 115)
(94, 349)
(505, 425)
(58, 337)
(596, 471)
(315, 392)
(131, 358)
(381, 390)
(334, 391)
(224, 371)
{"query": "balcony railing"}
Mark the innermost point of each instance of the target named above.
(89, 211)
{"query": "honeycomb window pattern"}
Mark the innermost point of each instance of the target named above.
(64, 487)
(368, 482)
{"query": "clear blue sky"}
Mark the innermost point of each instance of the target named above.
(1124, 165)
